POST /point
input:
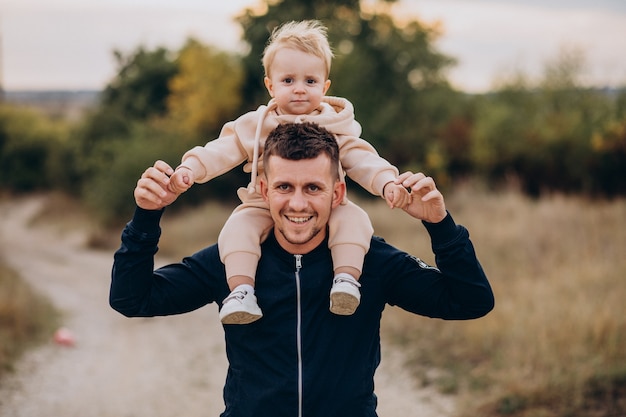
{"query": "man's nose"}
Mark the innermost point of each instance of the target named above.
(298, 200)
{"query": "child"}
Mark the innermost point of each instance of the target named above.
(297, 63)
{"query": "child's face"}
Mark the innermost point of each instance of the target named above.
(297, 81)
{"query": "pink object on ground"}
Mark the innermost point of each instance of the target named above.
(64, 337)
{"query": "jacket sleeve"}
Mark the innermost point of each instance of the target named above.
(364, 165)
(137, 290)
(457, 289)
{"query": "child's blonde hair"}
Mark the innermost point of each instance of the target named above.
(308, 36)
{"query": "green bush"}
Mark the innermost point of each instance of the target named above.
(30, 144)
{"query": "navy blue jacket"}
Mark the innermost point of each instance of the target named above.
(299, 359)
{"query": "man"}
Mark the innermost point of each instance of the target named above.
(300, 359)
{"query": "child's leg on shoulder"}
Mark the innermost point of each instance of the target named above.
(350, 270)
(350, 233)
(240, 239)
(239, 246)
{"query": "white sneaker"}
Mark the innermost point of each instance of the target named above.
(344, 295)
(240, 307)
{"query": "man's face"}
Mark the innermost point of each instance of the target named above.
(297, 81)
(301, 195)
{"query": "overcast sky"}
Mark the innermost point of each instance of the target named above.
(68, 44)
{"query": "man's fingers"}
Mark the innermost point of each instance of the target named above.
(433, 194)
(156, 174)
(402, 177)
(164, 167)
(148, 189)
(416, 182)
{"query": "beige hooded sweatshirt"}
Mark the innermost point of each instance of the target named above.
(243, 139)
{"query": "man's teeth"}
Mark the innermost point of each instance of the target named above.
(299, 219)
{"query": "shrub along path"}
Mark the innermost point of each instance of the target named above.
(170, 366)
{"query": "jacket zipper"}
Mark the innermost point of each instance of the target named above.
(299, 332)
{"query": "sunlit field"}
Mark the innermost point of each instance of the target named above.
(555, 345)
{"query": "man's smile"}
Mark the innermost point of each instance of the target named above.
(299, 220)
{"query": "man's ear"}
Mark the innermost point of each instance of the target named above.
(339, 193)
(263, 186)
(269, 86)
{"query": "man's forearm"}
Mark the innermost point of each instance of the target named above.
(468, 286)
(133, 264)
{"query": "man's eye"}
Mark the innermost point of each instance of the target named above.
(314, 188)
(283, 187)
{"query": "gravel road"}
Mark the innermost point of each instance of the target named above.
(157, 367)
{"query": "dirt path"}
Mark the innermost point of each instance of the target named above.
(163, 367)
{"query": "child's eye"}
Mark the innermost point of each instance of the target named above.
(288, 80)
(311, 81)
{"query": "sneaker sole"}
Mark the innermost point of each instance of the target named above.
(240, 317)
(343, 304)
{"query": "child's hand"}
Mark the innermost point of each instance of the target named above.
(396, 195)
(181, 180)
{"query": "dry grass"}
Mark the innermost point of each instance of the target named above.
(26, 318)
(556, 343)
(192, 229)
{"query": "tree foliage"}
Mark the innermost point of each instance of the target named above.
(550, 136)
(141, 87)
(33, 151)
(205, 91)
(160, 104)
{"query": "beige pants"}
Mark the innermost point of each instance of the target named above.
(350, 231)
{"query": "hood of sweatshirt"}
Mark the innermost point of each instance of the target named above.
(334, 113)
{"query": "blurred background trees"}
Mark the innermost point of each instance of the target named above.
(552, 134)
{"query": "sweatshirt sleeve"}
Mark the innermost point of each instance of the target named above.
(364, 165)
(137, 290)
(219, 155)
(456, 289)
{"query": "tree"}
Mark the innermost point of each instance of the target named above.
(141, 87)
(543, 134)
(33, 151)
(205, 93)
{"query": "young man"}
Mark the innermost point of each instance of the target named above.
(299, 359)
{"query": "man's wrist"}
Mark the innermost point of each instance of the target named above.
(443, 231)
(147, 222)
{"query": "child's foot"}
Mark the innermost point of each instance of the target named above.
(240, 307)
(344, 295)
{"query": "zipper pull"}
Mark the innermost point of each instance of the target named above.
(298, 262)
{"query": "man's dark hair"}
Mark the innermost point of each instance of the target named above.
(295, 141)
